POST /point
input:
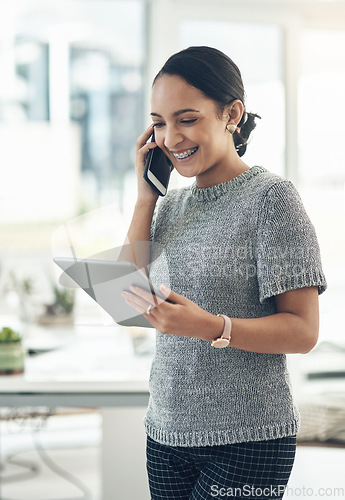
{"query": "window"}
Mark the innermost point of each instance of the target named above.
(71, 109)
(72, 97)
(322, 159)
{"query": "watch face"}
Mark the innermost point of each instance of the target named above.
(219, 343)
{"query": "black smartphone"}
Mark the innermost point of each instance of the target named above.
(157, 170)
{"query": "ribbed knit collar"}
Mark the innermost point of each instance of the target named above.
(212, 193)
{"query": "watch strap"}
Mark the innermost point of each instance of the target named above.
(224, 339)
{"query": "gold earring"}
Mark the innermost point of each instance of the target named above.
(231, 127)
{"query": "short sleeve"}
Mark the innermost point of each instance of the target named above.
(288, 254)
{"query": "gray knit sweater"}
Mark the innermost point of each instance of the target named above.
(230, 248)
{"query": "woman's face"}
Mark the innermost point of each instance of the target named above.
(190, 131)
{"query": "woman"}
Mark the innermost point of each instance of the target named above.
(245, 274)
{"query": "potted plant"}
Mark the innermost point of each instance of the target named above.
(12, 355)
(60, 311)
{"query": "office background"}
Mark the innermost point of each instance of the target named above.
(74, 96)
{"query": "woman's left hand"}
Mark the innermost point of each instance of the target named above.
(175, 316)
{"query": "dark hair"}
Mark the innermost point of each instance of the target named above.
(218, 77)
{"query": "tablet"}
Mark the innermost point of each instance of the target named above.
(104, 280)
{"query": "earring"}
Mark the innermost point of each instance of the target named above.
(231, 127)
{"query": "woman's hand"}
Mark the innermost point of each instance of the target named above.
(175, 316)
(293, 329)
(145, 192)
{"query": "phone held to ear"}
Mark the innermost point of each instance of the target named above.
(157, 170)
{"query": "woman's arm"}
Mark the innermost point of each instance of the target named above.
(136, 247)
(293, 329)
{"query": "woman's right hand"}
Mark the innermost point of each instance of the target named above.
(145, 192)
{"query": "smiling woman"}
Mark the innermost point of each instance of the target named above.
(244, 277)
(196, 139)
(199, 71)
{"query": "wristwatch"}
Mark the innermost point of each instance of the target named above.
(224, 339)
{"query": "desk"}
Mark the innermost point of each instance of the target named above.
(94, 366)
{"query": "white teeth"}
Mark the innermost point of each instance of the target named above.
(180, 156)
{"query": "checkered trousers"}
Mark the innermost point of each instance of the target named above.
(241, 471)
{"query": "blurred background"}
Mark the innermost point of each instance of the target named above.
(75, 78)
(74, 96)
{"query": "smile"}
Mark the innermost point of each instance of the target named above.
(185, 154)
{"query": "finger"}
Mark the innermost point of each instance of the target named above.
(148, 296)
(146, 148)
(147, 314)
(143, 152)
(143, 138)
(172, 296)
(138, 304)
(135, 306)
(136, 298)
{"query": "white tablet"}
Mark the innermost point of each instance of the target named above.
(104, 280)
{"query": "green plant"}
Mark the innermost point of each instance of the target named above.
(63, 303)
(27, 286)
(9, 335)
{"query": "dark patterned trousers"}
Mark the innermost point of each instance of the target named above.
(242, 471)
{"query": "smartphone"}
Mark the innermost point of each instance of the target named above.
(157, 170)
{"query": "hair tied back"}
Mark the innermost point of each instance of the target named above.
(242, 133)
